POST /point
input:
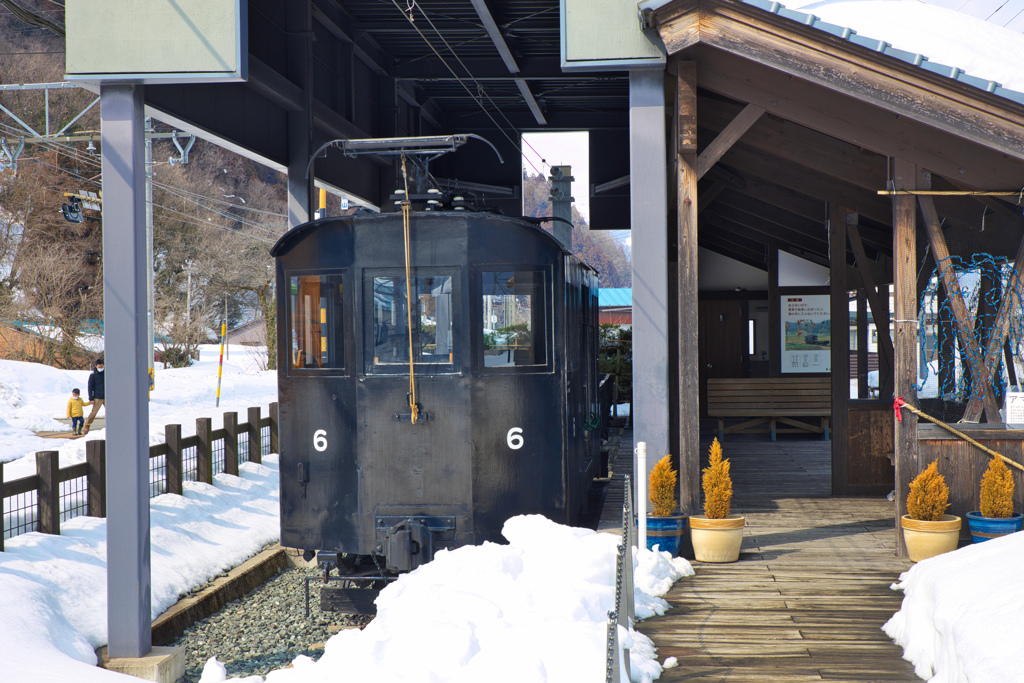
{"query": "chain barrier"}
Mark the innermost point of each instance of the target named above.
(617, 656)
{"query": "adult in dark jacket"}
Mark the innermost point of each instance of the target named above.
(97, 392)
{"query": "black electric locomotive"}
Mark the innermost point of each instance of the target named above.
(495, 415)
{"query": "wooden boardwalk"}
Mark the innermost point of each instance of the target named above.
(810, 593)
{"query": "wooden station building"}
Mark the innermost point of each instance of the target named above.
(785, 137)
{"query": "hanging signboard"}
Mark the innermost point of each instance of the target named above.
(806, 333)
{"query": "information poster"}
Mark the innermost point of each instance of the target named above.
(806, 333)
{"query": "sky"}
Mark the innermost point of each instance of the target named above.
(533, 610)
(541, 151)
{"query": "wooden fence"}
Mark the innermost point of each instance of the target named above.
(53, 494)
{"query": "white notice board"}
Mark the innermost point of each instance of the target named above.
(806, 333)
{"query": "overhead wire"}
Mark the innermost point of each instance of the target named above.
(459, 80)
(79, 157)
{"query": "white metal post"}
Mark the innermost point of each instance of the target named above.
(641, 494)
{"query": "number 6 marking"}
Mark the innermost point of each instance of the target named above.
(515, 438)
(320, 440)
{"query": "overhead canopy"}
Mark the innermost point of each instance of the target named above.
(807, 113)
(386, 69)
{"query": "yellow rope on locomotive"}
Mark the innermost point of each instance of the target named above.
(408, 296)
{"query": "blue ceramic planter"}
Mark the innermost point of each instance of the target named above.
(987, 528)
(666, 532)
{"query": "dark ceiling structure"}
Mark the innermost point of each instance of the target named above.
(326, 69)
(383, 68)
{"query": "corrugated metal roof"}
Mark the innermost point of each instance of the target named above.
(612, 296)
(885, 48)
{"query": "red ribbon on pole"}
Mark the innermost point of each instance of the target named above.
(897, 404)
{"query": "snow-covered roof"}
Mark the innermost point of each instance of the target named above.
(945, 41)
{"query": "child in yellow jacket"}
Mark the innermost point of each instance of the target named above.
(75, 412)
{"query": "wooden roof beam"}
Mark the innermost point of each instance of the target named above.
(832, 65)
(793, 142)
(732, 132)
(764, 234)
(808, 181)
(858, 122)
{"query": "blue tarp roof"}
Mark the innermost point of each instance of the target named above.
(615, 296)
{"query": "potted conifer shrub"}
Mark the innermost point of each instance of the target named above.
(717, 534)
(996, 517)
(927, 530)
(664, 525)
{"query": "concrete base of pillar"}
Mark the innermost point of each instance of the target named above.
(162, 664)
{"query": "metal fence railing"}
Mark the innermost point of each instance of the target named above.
(623, 616)
(40, 502)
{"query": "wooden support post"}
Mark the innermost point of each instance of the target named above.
(972, 351)
(879, 310)
(48, 495)
(275, 427)
(886, 366)
(904, 250)
(862, 344)
(774, 315)
(172, 461)
(96, 478)
(840, 314)
(204, 450)
(231, 443)
(686, 209)
(255, 446)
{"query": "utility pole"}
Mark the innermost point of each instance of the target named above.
(561, 203)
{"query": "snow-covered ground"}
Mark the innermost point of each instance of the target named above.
(32, 396)
(533, 610)
(961, 618)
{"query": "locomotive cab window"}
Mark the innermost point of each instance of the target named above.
(514, 315)
(432, 314)
(317, 340)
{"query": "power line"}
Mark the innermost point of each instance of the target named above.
(458, 79)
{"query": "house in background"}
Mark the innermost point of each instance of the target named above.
(250, 334)
(615, 306)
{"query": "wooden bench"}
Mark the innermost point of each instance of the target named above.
(772, 400)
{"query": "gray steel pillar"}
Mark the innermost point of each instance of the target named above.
(125, 350)
(299, 50)
(648, 204)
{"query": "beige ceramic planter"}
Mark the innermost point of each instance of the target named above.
(928, 539)
(716, 540)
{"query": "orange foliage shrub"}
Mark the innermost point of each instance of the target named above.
(661, 488)
(997, 490)
(717, 485)
(929, 495)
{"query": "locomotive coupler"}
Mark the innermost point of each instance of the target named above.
(407, 545)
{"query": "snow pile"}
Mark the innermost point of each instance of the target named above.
(961, 615)
(945, 36)
(534, 610)
(53, 588)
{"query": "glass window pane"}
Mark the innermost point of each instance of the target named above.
(432, 330)
(317, 337)
(513, 316)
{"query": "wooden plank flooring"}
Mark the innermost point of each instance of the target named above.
(809, 595)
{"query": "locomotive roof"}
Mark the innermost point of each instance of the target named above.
(299, 232)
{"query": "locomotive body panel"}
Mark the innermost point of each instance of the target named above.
(498, 379)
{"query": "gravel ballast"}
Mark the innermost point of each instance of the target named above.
(266, 629)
